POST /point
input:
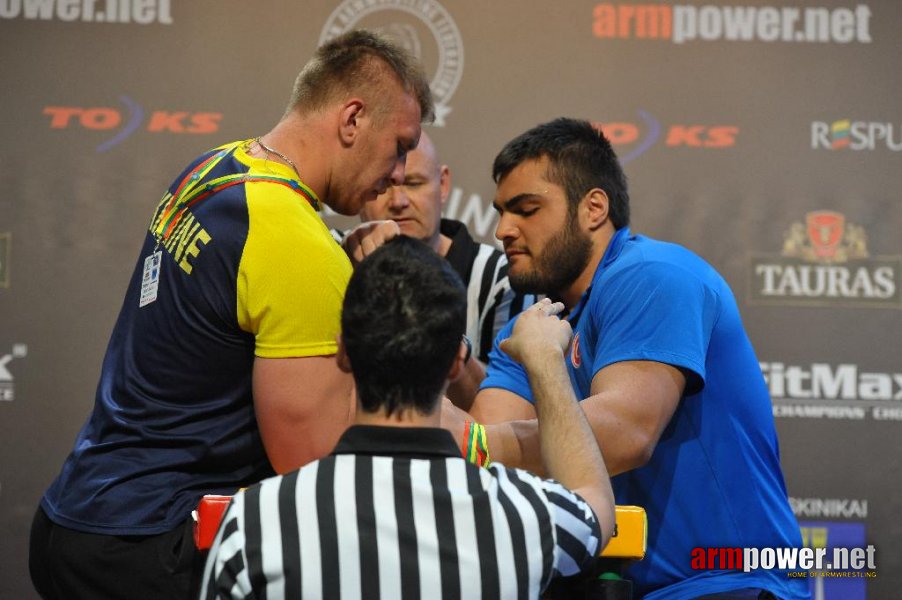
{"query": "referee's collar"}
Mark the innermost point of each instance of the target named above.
(409, 442)
(462, 253)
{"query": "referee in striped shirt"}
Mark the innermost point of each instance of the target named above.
(395, 511)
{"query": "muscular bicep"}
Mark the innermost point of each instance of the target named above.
(497, 405)
(302, 405)
(631, 404)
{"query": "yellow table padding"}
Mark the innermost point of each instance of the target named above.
(630, 534)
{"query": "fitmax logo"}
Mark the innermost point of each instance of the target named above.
(674, 136)
(124, 122)
(820, 380)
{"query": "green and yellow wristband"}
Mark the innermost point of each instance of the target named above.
(476, 445)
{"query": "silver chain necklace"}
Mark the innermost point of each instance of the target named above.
(279, 154)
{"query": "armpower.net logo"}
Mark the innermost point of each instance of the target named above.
(681, 24)
(797, 562)
(139, 12)
(834, 559)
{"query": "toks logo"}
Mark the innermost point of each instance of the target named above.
(675, 136)
(126, 122)
(825, 261)
(855, 135)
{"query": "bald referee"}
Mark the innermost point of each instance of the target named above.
(395, 511)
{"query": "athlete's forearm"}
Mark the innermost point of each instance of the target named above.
(516, 444)
(567, 443)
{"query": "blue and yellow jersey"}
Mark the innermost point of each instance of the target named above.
(246, 267)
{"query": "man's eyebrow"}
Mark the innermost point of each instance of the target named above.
(511, 203)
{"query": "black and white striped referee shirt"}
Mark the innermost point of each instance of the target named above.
(397, 513)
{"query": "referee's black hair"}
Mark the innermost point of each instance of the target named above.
(580, 158)
(404, 315)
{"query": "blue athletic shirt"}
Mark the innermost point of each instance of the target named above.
(247, 268)
(714, 479)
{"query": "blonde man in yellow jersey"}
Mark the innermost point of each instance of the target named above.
(220, 369)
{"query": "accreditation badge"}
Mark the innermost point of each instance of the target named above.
(150, 281)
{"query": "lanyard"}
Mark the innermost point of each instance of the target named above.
(190, 192)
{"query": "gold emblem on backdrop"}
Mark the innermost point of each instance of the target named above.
(825, 237)
(825, 261)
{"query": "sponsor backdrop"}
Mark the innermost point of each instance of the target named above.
(765, 136)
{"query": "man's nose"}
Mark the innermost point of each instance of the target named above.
(397, 174)
(397, 198)
(505, 228)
